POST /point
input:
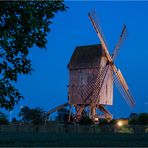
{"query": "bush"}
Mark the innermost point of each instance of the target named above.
(103, 122)
(85, 121)
(107, 126)
(4, 121)
(113, 122)
(141, 119)
(14, 120)
(133, 121)
(62, 115)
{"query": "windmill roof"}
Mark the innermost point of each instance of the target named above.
(86, 57)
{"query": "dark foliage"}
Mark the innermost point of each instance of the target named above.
(103, 122)
(25, 114)
(107, 122)
(113, 122)
(85, 120)
(23, 24)
(14, 120)
(141, 119)
(35, 115)
(3, 119)
(133, 121)
(132, 115)
(62, 115)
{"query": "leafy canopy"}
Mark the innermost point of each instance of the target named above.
(34, 115)
(23, 24)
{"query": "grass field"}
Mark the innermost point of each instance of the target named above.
(73, 140)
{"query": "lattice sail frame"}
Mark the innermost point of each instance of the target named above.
(118, 77)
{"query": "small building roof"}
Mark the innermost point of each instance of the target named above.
(86, 57)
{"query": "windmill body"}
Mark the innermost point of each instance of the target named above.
(86, 63)
(86, 71)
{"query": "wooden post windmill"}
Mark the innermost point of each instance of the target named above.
(91, 75)
(91, 81)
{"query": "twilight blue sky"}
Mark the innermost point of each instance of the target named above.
(46, 87)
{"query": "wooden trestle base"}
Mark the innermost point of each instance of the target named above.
(79, 108)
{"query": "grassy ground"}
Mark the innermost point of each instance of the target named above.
(79, 140)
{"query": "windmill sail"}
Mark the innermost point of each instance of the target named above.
(118, 77)
(123, 88)
(99, 34)
(120, 41)
(97, 27)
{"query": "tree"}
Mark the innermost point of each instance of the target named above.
(3, 119)
(133, 120)
(141, 119)
(14, 120)
(23, 24)
(63, 115)
(35, 115)
(25, 114)
(133, 115)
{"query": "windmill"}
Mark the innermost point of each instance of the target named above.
(92, 73)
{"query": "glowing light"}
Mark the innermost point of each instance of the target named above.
(119, 123)
(96, 119)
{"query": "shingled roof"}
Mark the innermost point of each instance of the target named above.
(86, 57)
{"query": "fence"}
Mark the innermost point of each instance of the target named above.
(61, 128)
